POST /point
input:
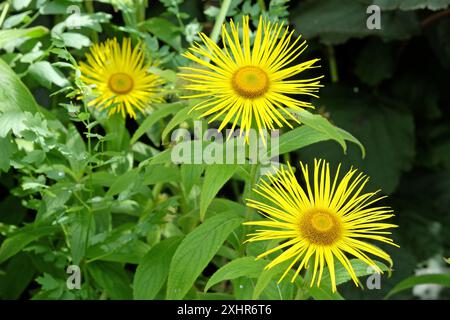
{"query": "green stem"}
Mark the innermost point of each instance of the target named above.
(248, 191)
(90, 170)
(251, 182)
(32, 19)
(262, 5)
(333, 64)
(90, 9)
(141, 10)
(4, 13)
(220, 20)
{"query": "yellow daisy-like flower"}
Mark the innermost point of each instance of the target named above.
(119, 78)
(321, 222)
(249, 83)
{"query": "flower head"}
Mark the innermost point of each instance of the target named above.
(321, 222)
(250, 83)
(119, 77)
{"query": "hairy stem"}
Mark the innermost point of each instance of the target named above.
(220, 20)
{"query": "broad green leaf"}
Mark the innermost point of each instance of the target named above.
(16, 19)
(371, 68)
(123, 183)
(9, 39)
(214, 296)
(408, 283)
(15, 99)
(123, 251)
(76, 150)
(154, 117)
(75, 40)
(190, 175)
(54, 7)
(113, 278)
(336, 21)
(412, 4)
(47, 75)
(361, 269)
(7, 148)
(381, 125)
(196, 251)
(117, 133)
(324, 294)
(241, 267)
(304, 136)
(21, 239)
(269, 275)
(152, 272)
(216, 175)
(161, 174)
(18, 274)
(20, 4)
(321, 124)
(264, 279)
(164, 30)
(178, 118)
(79, 228)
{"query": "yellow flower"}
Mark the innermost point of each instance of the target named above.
(323, 221)
(119, 78)
(252, 84)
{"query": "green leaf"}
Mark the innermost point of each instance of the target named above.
(161, 174)
(196, 251)
(264, 279)
(152, 272)
(117, 133)
(374, 68)
(7, 149)
(78, 235)
(342, 276)
(304, 136)
(123, 183)
(408, 283)
(75, 40)
(381, 125)
(324, 294)
(336, 21)
(216, 176)
(123, 249)
(412, 4)
(20, 4)
(154, 117)
(321, 124)
(190, 175)
(47, 75)
(15, 99)
(164, 30)
(19, 273)
(241, 267)
(178, 118)
(112, 278)
(17, 19)
(21, 239)
(11, 38)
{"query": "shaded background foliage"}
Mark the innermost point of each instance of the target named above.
(388, 87)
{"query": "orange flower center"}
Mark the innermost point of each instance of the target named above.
(121, 83)
(321, 227)
(250, 82)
